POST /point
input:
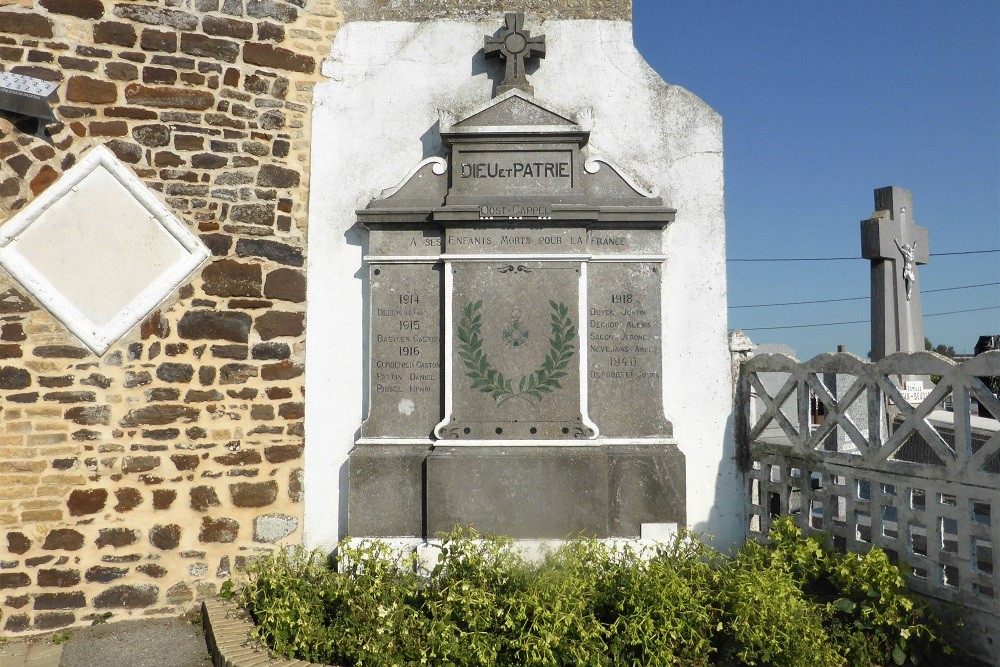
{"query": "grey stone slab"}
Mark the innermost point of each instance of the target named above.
(515, 171)
(555, 492)
(608, 240)
(523, 492)
(405, 349)
(508, 238)
(386, 490)
(162, 642)
(409, 241)
(516, 351)
(624, 349)
(647, 484)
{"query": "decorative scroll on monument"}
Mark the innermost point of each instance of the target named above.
(515, 371)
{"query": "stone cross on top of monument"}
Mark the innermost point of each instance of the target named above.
(895, 246)
(515, 45)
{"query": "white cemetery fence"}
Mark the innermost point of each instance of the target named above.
(920, 483)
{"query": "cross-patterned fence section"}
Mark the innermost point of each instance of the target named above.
(834, 443)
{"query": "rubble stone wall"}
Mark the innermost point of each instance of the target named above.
(136, 481)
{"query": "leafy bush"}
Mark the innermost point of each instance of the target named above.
(792, 602)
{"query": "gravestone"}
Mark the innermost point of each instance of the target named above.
(515, 372)
(896, 246)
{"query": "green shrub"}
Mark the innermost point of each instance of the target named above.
(767, 619)
(587, 604)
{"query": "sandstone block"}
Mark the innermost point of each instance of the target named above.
(219, 244)
(208, 161)
(270, 528)
(125, 151)
(128, 498)
(203, 396)
(226, 27)
(117, 537)
(278, 58)
(291, 411)
(12, 377)
(152, 135)
(156, 16)
(159, 415)
(70, 396)
(22, 23)
(61, 352)
(169, 98)
(103, 574)
(209, 47)
(166, 537)
(273, 324)
(253, 494)
(271, 351)
(242, 457)
(112, 32)
(152, 570)
(285, 285)
(50, 620)
(203, 497)
(84, 9)
(282, 453)
(283, 370)
(135, 596)
(14, 580)
(254, 214)
(219, 530)
(271, 9)
(174, 372)
(163, 498)
(73, 600)
(18, 543)
(273, 250)
(227, 277)
(236, 373)
(158, 40)
(185, 462)
(180, 593)
(122, 72)
(215, 325)
(111, 128)
(86, 501)
(273, 176)
(91, 91)
(58, 578)
(230, 351)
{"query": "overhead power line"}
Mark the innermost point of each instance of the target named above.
(855, 298)
(837, 259)
(965, 252)
(830, 324)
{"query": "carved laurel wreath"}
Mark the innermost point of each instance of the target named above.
(531, 386)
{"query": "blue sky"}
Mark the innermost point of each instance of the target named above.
(821, 104)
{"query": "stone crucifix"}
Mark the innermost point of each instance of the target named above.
(895, 246)
(515, 45)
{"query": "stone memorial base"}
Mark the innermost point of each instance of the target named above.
(525, 492)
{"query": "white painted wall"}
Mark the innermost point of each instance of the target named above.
(375, 119)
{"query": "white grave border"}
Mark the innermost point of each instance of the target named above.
(99, 338)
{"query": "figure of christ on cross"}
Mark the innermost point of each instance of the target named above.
(909, 276)
(514, 45)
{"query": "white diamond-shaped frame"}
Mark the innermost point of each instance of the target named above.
(99, 250)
